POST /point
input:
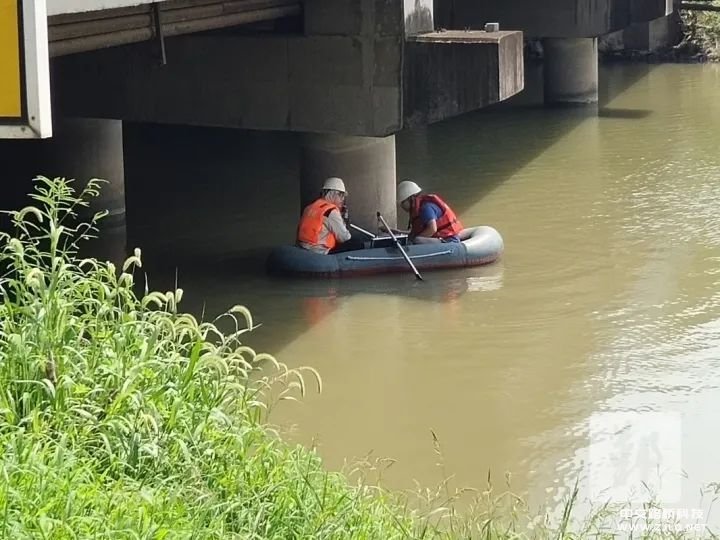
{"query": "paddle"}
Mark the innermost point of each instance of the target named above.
(360, 229)
(397, 243)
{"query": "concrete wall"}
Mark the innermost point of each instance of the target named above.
(327, 84)
(344, 76)
(560, 18)
(449, 73)
(646, 37)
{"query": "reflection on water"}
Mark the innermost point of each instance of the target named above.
(606, 299)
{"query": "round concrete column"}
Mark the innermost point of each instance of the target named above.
(366, 164)
(93, 148)
(570, 70)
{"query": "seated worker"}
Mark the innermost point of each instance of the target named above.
(322, 225)
(431, 219)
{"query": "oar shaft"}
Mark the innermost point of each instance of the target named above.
(360, 229)
(397, 243)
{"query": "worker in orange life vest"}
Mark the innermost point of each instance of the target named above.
(431, 219)
(323, 226)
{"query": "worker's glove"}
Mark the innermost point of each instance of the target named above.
(345, 215)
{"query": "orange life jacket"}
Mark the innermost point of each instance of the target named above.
(447, 224)
(311, 223)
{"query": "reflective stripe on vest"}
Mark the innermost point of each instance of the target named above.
(447, 224)
(311, 224)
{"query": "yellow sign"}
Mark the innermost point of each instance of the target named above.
(10, 75)
(25, 108)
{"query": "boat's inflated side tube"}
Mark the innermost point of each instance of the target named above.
(483, 244)
(296, 260)
(479, 245)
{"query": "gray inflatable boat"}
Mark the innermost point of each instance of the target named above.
(478, 246)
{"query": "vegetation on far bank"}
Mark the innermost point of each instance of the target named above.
(701, 33)
(123, 417)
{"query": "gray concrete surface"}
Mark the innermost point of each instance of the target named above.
(343, 84)
(644, 37)
(366, 165)
(570, 70)
(449, 73)
(559, 18)
(81, 149)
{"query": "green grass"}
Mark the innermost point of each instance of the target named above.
(123, 417)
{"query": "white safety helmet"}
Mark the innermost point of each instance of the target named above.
(406, 189)
(335, 183)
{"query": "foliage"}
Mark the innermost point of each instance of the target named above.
(702, 32)
(122, 417)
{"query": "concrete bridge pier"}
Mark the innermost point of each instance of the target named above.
(570, 70)
(81, 148)
(84, 148)
(366, 164)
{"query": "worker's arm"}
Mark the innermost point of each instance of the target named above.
(429, 230)
(429, 213)
(336, 225)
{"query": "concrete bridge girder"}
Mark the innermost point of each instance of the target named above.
(351, 87)
(557, 19)
(321, 84)
(353, 72)
(362, 70)
(569, 29)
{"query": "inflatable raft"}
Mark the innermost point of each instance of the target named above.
(478, 245)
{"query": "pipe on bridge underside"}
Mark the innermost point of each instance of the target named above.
(70, 34)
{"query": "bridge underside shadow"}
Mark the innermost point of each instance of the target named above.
(522, 127)
(210, 203)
